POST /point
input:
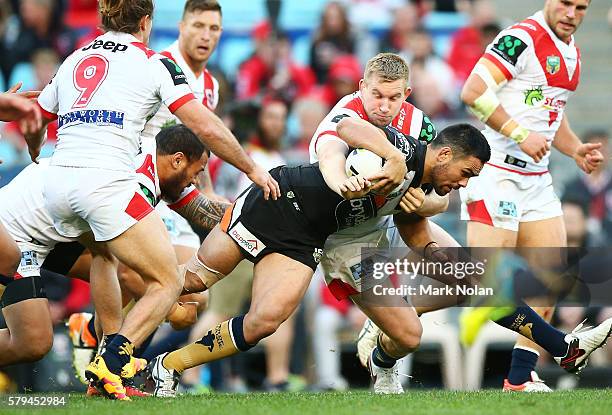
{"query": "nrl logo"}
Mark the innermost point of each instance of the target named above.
(553, 64)
(533, 95)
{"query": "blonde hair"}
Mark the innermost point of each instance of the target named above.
(388, 67)
(124, 15)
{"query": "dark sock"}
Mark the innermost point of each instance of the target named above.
(143, 347)
(380, 358)
(117, 353)
(91, 326)
(527, 322)
(238, 334)
(523, 362)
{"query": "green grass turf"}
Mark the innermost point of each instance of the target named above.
(582, 402)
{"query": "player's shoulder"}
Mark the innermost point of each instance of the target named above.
(350, 105)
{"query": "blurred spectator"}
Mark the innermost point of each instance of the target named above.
(45, 63)
(468, 44)
(82, 13)
(434, 90)
(271, 69)
(405, 22)
(263, 147)
(343, 79)
(333, 37)
(40, 27)
(575, 213)
(595, 192)
(309, 113)
(446, 6)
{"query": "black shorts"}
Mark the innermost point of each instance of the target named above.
(261, 227)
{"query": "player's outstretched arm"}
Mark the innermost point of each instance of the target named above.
(480, 95)
(586, 155)
(220, 140)
(203, 211)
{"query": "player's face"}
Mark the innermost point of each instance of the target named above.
(452, 173)
(183, 174)
(564, 16)
(382, 100)
(200, 31)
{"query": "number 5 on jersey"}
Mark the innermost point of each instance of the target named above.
(88, 75)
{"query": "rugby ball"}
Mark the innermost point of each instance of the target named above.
(364, 163)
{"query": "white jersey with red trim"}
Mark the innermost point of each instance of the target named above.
(102, 96)
(149, 179)
(204, 86)
(410, 121)
(542, 72)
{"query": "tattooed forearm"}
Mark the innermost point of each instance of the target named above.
(203, 211)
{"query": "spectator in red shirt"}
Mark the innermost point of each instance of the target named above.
(271, 69)
(343, 79)
(333, 37)
(468, 44)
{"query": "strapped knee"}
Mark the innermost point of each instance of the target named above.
(207, 275)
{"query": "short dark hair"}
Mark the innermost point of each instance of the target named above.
(464, 140)
(202, 5)
(178, 138)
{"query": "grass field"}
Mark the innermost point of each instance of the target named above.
(581, 402)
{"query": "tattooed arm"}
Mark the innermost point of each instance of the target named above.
(203, 211)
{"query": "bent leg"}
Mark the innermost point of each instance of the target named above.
(279, 285)
(396, 318)
(29, 333)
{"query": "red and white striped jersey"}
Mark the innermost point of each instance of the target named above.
(204, 86)
(102, 95)
(410, 121)
(542, 72)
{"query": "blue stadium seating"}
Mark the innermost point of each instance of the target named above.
(23, 72)
(8, 154)
(232, 51)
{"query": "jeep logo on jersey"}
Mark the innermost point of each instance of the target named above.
(108, 45)
(354, 212)
(553, 64)
(509, 48)
(246, 240)
(175, 71)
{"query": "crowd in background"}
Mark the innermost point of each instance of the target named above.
(277, 82)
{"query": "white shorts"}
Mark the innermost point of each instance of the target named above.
(104, 201)
(179, 229)
(32, 258)
(503, 198)
(342, 260)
